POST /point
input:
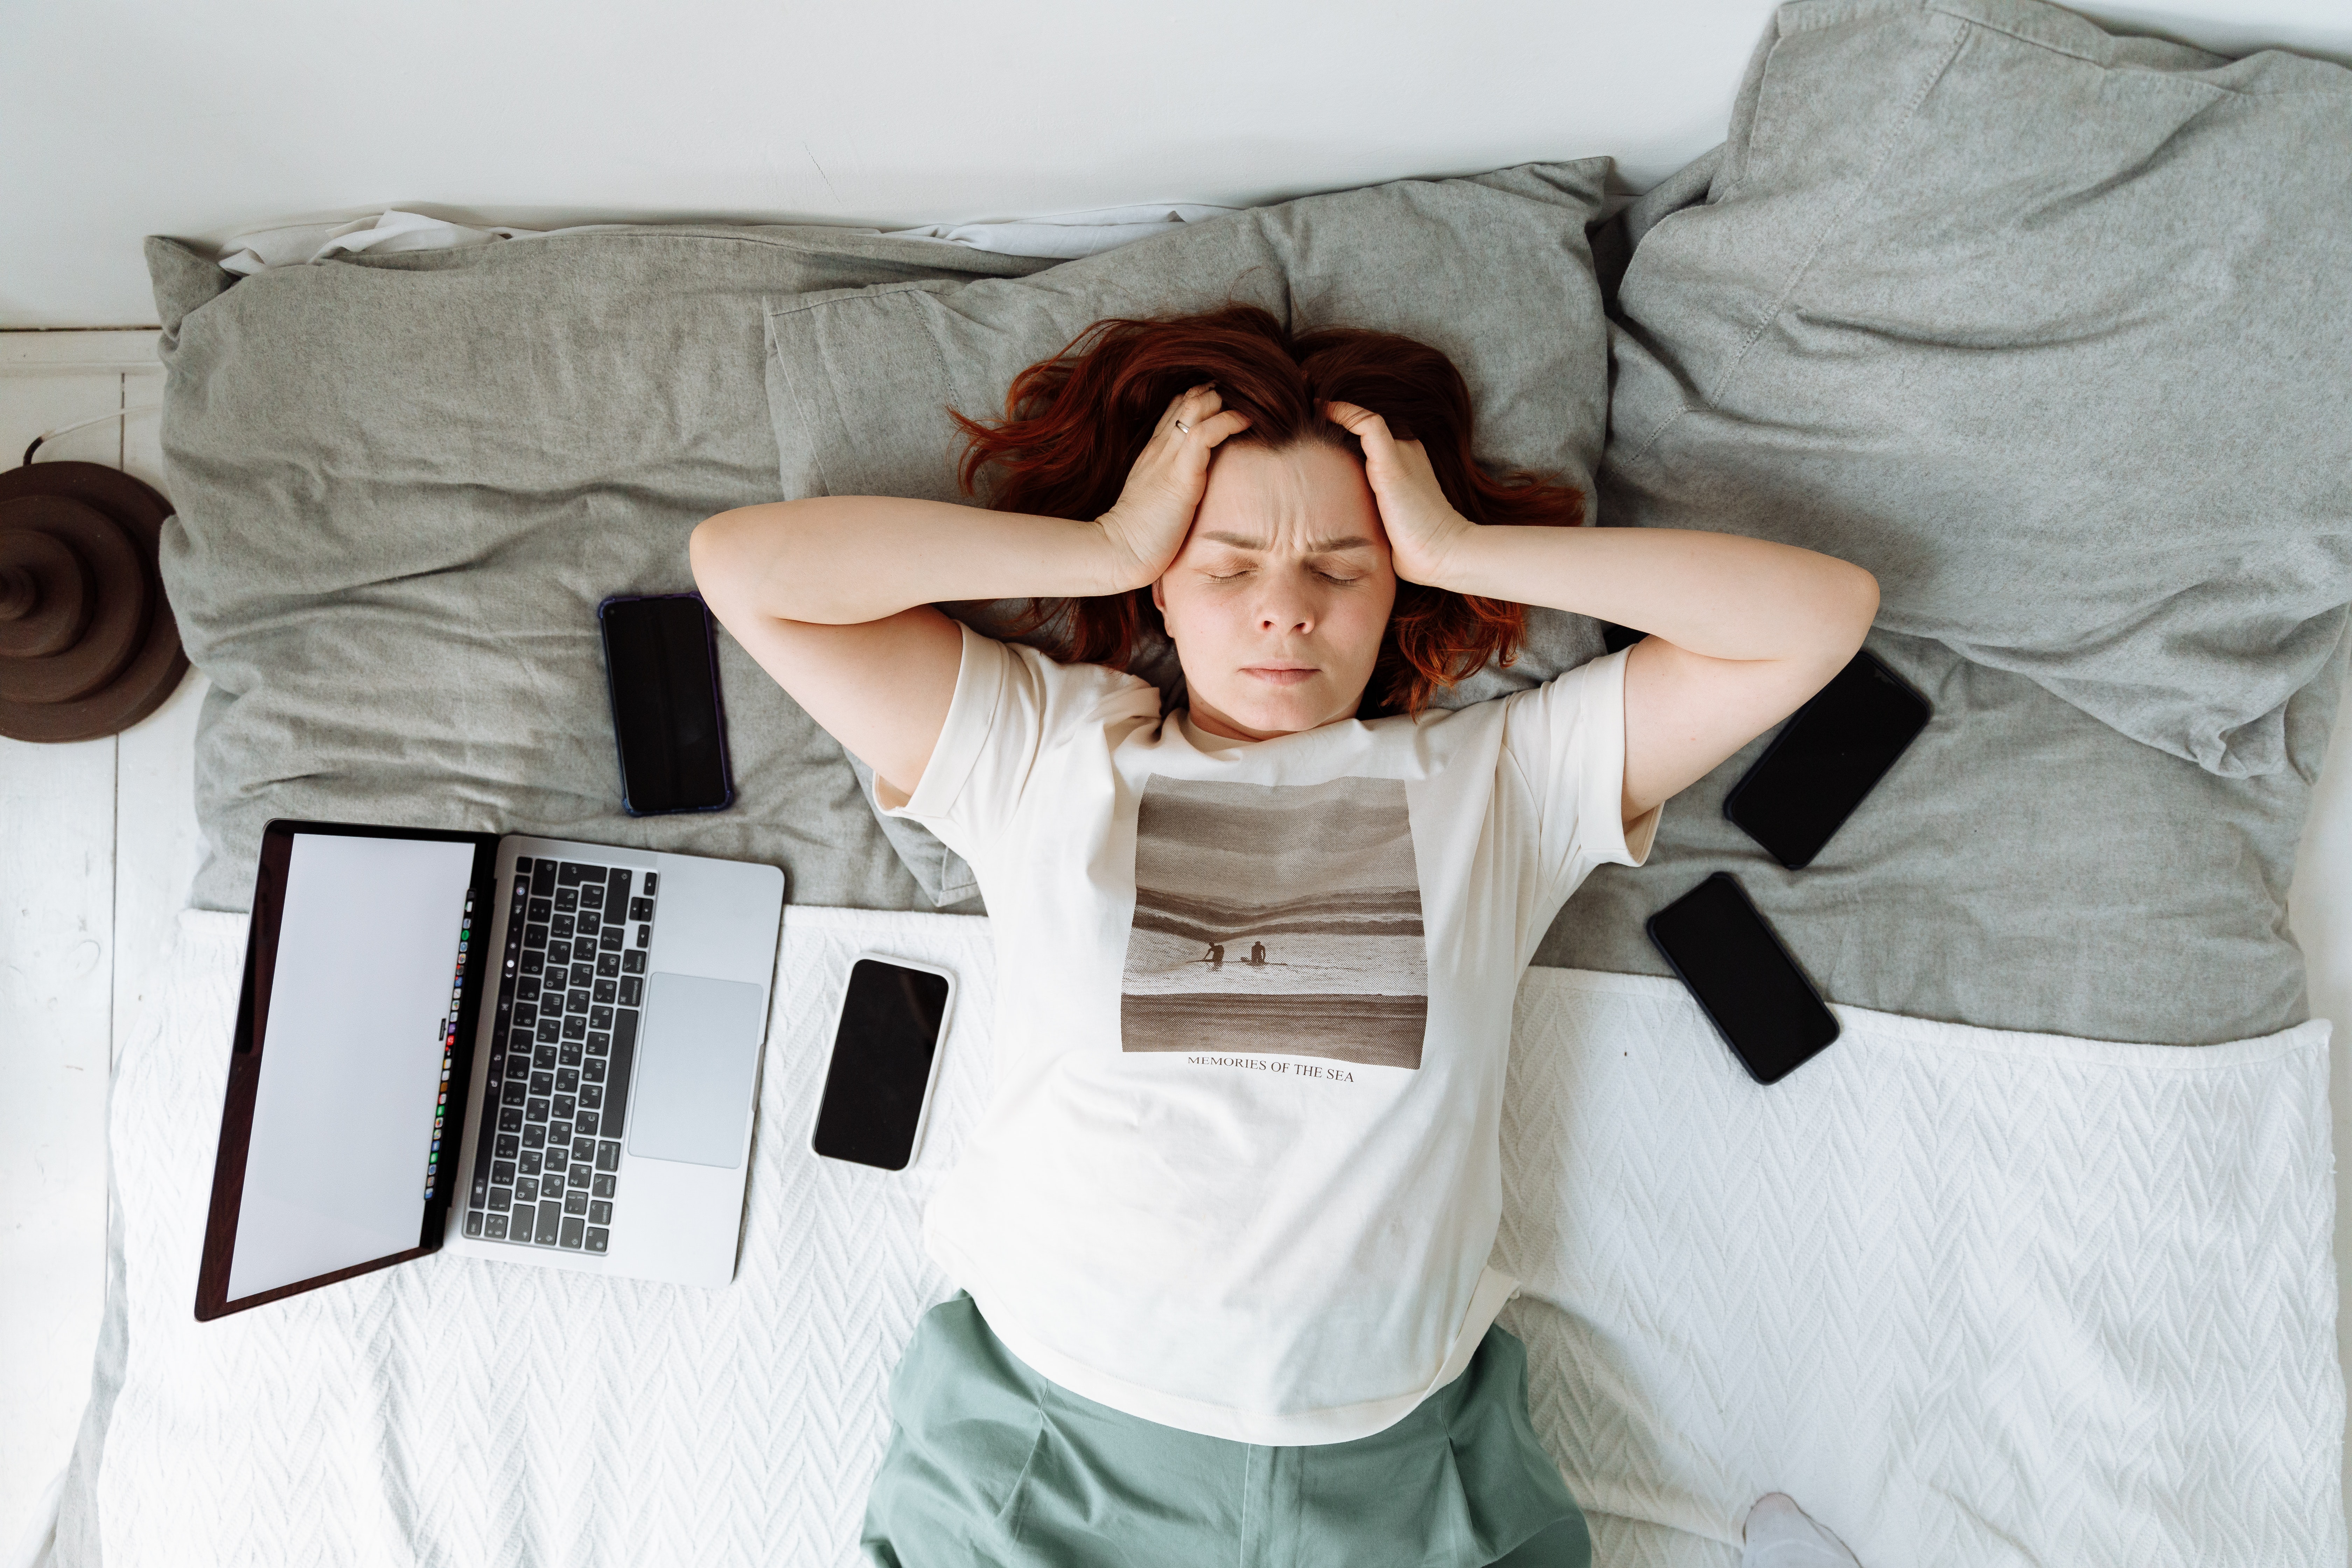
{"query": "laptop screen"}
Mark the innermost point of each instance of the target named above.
(362, 1003)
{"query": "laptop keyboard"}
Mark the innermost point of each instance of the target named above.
(571, 989)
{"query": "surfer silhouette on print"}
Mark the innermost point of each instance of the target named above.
(1319, 881)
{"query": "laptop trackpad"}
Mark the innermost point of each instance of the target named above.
(695, 1058)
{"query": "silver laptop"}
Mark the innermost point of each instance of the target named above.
(524, 1049)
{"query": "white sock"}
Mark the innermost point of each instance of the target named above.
(1778, 1535)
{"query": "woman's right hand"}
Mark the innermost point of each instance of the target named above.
(1147, 525)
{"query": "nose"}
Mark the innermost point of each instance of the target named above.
(1284, 618)
(1288, 606)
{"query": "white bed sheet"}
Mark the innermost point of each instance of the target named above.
(1971, 1295)
(1060, 236)
(1974, 1298)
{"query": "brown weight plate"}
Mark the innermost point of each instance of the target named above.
(119, 620)
(130, 502)
(60, 581)
(155, 674)
(159, 664)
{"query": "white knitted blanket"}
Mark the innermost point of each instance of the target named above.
(1973, 1298)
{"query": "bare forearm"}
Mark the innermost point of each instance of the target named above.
(1721, 595)
(846, 560)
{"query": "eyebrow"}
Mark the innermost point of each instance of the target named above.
(1319, 547)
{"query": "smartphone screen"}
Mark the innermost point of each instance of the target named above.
(1831, 752)
(1750, 989)
(663, 676)
(883, 1052)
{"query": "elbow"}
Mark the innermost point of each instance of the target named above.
(716, 549)
(1839, 618)
(705, 547)
(1865, 604)
(1832, 603)
(731, 557)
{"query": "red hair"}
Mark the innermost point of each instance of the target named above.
(1074, 426)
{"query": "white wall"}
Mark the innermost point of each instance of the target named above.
(123, 118)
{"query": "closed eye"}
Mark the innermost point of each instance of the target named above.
(1339, 579)
(1327, 576)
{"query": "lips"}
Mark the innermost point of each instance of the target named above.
(1281, 674)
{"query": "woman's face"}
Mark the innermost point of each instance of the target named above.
(1279, 599)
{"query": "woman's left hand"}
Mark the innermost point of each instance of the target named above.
(1423, 526)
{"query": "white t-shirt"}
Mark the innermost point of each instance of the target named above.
(1240, 1170)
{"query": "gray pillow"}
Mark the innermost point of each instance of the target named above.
(405, 482)
(2046, 328)
(1495, 269)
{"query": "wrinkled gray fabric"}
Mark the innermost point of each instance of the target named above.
(1686, 186)
(945, 877)
(2048, 329)
(1613, 239)
(405, 482)
(2022, 866)
(1495, 269)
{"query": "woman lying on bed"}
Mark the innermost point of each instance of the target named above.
(1222, 1229)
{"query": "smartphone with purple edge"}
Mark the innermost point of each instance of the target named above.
(661, 672)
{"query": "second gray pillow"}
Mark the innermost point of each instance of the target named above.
(2046, 328)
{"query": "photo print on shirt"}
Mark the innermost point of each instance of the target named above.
(1277, 920)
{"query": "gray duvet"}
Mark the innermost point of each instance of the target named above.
(2022, 866)
(405, 482)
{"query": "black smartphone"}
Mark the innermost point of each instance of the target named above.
(1829, 754)
(661, 670)
(886, 1057)
(1744, 978)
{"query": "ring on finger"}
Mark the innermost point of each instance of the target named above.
(1184, 429)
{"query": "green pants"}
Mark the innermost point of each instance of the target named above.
(990, 1465)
